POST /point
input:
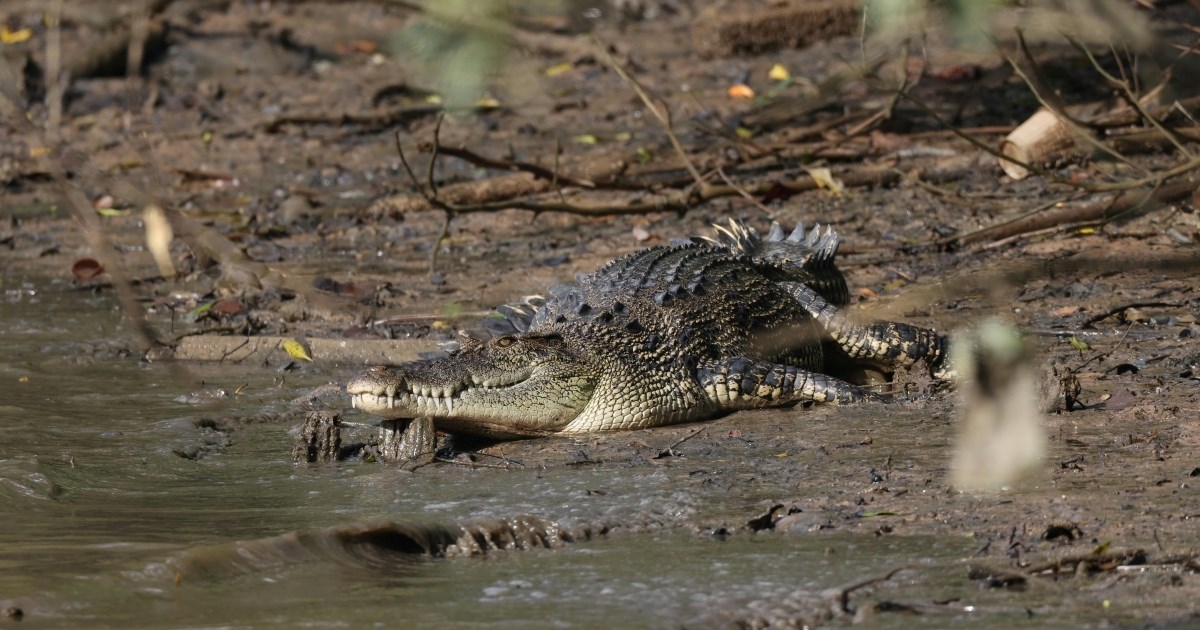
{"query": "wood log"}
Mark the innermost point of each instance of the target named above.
(1043, 141)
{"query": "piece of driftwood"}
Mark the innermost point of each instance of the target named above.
(508, 186)
(724, 30)
(269, 350)
(1097, 210)
(1044, 140)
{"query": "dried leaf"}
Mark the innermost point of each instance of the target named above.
(86, 269)
(14, 37)
(825, 179)
(558, 69)
(296, 350)
(228, 307)
(779, 73)
(1077, 344)
(741, 90)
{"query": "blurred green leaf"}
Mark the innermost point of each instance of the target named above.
(198, 312)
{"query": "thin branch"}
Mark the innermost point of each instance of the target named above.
(663, 115)
(746, 195)
(670, 450)
(541, 172)
(557, 155)
(431, 199)
(437, 130)
(1129, 97)
(385, 118)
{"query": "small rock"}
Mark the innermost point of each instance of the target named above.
(294, 209)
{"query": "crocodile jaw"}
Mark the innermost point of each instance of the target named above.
(393, 393)
(472, 394)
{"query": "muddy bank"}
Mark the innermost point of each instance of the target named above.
(269, 128)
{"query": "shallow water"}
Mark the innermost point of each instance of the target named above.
(104, 523)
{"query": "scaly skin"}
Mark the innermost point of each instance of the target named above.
(666, 335)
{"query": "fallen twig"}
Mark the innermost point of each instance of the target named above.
(1093, 320)
(554, 176)
(1100, 211)
(664, 201)
(461, 197)
(384, 118)
(670, 450)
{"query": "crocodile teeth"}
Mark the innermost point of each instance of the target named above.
(449, 405)
(354, 402)
(437, 403)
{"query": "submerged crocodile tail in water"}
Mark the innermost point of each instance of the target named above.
(668, 334)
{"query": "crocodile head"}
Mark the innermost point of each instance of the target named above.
(519, 385)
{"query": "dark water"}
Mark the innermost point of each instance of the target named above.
(103, 523)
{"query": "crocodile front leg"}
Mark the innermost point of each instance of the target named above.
(890, 344)
(742, 383)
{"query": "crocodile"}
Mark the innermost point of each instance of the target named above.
(674, 333)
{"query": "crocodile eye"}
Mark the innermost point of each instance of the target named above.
(504, 342)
